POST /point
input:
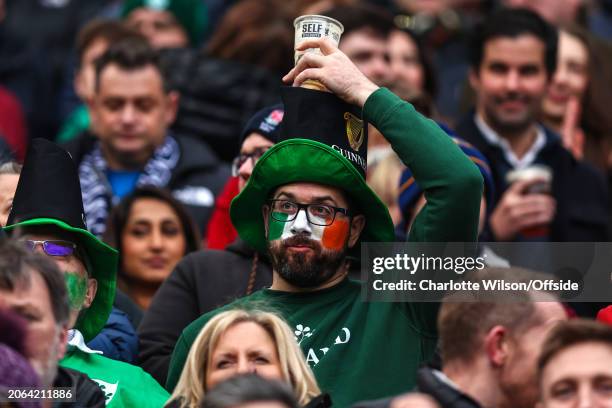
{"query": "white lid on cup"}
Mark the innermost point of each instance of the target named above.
(533, 172)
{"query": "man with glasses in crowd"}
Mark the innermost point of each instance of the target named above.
(48, 217)
(307, 205)
(207, 279)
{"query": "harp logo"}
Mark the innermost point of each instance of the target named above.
(354, 130)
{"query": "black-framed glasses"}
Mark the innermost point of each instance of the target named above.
(52, 247)
(317, 214)
(242, 158)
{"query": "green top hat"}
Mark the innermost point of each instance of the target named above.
(328, 131)
(49, 194)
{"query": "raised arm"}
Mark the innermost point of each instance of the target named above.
(451, 182)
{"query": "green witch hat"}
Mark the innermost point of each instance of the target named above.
(49, 194)
(323, 140)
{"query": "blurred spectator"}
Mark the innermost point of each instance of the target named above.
(92, 41)
(37, 37)
(152, 232)
(9, 176)
(260, 133)
(443, 27)
(254, 34)
(489, 344)
(12, 123)
(196, 286)
(490, 347)
(596, 120)
(131, 111)
(513, 59)
(364, 40)
(240, 342)
(576, 104)
(167, 23)
(48, 218)
(562, 105)
(33, 287)
(237, 74)
(410, 64)
(575, 366)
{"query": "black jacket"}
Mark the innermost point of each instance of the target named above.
(218, 97)
(444, 394)
(86, 392)
(202, 281)
(428, 383)
(579, 190)
(197, 167)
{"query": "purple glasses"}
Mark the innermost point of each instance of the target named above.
(52, 247)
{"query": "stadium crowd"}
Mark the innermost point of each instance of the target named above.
(183, 213)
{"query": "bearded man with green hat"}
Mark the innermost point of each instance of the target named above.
(307, 204)
(48, 216)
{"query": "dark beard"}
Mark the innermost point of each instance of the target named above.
(506, 128)
(305, 270)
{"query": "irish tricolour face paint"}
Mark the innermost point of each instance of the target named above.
(331, 237)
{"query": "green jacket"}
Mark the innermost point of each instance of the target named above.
(360, 350)
(123, 384)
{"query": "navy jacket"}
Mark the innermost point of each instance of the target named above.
(579, 190)
(118, 339)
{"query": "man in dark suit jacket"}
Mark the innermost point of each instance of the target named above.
(513, 59)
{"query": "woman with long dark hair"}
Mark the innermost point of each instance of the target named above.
(152, 232)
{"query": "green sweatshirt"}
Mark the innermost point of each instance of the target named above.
(123, 384)
(360, 350)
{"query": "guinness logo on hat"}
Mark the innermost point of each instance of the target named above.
(325, 118)
(354, 130)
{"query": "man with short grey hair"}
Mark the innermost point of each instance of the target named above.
(33, 287)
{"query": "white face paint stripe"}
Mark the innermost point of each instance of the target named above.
(301, 224)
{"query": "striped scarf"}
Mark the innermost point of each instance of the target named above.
(97, 192)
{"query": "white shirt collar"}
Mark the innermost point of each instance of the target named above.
(75, 339)
(493, 138)
(444, 378)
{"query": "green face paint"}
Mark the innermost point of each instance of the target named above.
(276, 228)
(77, 289)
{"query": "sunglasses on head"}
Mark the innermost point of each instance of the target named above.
(52, 247)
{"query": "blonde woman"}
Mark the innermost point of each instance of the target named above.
(243, 341)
